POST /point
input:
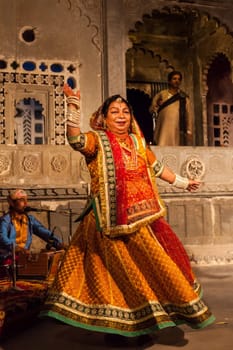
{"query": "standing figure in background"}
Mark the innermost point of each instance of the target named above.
(172, 112)
(125, 271)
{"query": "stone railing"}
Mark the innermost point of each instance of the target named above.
(202, 219)
(56, 179)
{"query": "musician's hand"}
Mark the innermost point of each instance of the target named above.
(22, 251)
(62, 246)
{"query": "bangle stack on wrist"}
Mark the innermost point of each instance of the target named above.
(73, 118)
(73, 100)
(73, 114)
(181, 182)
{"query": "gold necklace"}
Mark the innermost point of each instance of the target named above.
(129, 153)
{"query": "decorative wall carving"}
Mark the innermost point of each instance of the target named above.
(58, 163)
(30, 163)
(58, 166)
(4, 164)
(90, 10)
(195, 168)
(206, 164)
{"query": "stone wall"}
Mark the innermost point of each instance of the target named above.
(57, 184)
(202, 219)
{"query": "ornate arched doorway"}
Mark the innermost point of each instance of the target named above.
(183, 39)
(220, 102)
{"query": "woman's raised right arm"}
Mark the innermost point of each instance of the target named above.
(73, 111)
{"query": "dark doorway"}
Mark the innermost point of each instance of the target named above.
(140, 103)
(220, 102)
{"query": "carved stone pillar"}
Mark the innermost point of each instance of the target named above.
(115, 47)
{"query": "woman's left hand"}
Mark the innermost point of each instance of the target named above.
(193, 185)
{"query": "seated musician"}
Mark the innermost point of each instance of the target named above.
(17, 228)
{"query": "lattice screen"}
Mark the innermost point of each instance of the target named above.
(222, 124)
(42, 82)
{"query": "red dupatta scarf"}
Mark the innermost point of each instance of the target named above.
(111, 207)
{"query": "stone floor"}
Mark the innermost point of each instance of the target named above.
(217, 281)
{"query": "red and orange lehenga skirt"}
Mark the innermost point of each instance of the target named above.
(128, 286)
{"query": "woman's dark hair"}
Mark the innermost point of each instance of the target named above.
(111, 99)
(174, 72)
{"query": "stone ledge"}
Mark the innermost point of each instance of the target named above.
(78, 192)
(219, 254)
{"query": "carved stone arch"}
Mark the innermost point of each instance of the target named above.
(138, 60)
(137, 9)
(205, 35)
(224, 46)
(140, 38)
(80, 9)
(206, 66)
(219, 100)
(220, 43)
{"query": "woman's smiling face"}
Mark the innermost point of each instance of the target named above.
(118, 118)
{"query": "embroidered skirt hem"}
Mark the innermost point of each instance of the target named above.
(132, 330)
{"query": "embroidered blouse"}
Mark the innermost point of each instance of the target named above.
(123, 187)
